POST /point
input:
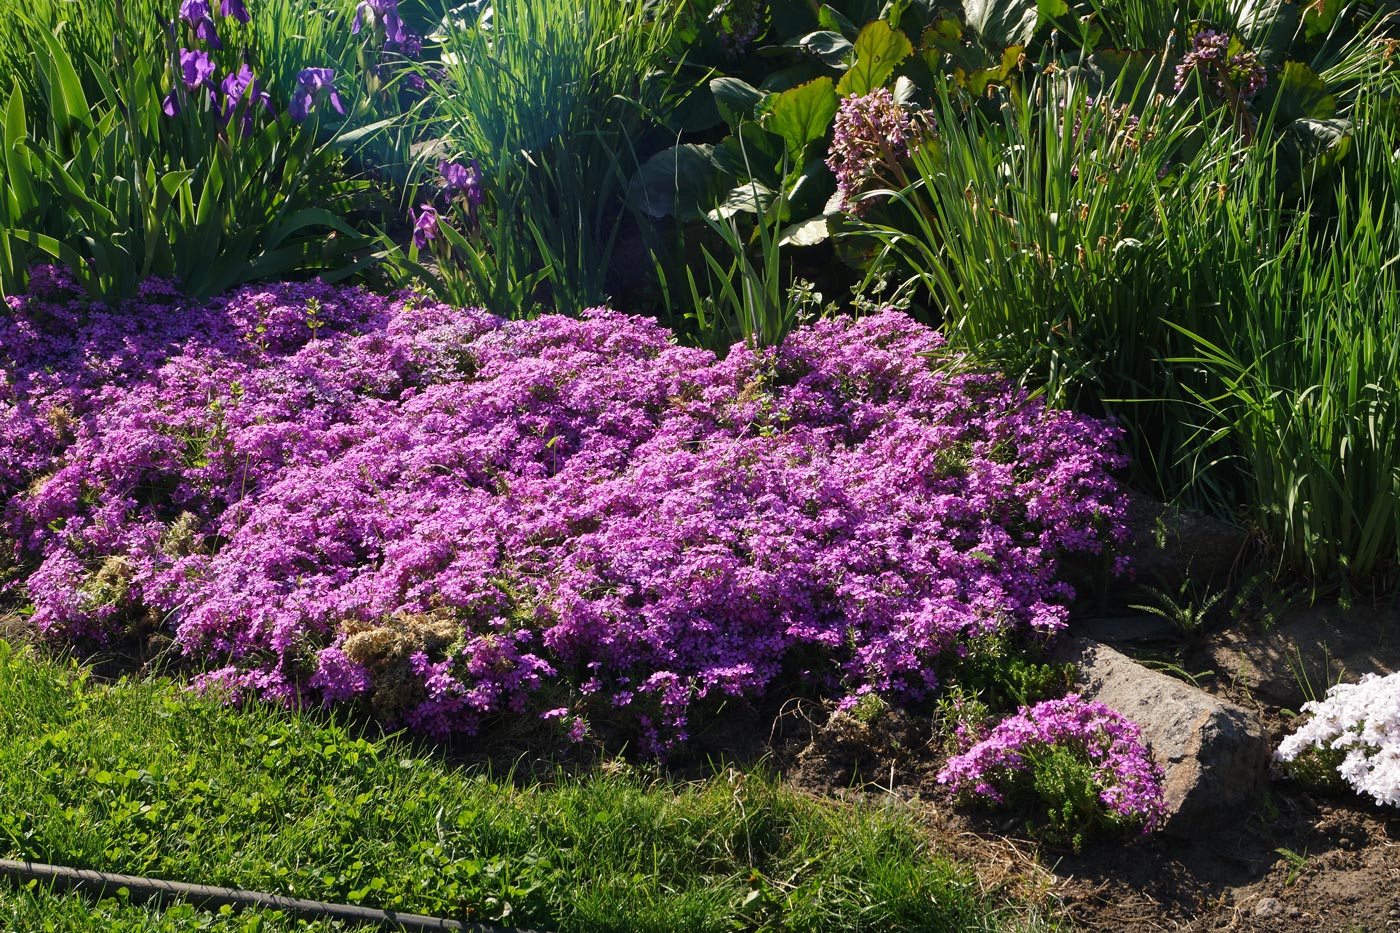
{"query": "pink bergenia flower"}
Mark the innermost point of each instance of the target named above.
(871, 131)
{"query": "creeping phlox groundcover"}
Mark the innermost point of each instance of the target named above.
(1359, 725)
(331, 495)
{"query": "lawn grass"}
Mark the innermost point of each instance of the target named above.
(139, 777)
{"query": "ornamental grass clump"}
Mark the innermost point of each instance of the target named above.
(569, 515)
(1354, 730)
(1080, 765)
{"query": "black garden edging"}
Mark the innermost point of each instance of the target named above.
(142, 889)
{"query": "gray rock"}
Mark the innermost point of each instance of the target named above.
(1214, 754)
(1307, 651)
(1118, 630)
(1267, 907)
(1172, 545)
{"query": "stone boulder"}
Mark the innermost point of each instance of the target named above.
(1171, 545)
(1307, 651)
(1214, 754)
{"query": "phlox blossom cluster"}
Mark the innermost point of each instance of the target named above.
(1129, 783)
(1362, 720)
(332, 496)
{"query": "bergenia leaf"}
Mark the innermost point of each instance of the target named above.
(1002, 23)
(802, 114)
(879, 50)
(736, 99)
(831, 48)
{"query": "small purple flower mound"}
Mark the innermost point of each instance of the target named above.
(1129, 784)
(335, 496)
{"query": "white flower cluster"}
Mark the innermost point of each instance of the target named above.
(1363, 719)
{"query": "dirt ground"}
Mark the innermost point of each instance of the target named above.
(1299, 861)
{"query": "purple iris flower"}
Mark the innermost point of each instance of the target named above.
(382, 11)
(234, 8)
(196, 71)
(466, 179)
(412, 45)
(313, 84)
(240, 87)
(425, 225)
(200, 18)
(197, 68)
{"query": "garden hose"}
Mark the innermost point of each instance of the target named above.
(142, 889)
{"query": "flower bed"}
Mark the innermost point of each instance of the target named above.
(329, 495)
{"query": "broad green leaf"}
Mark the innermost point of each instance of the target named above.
(1310, 148)
(802, 115)
(808, 191)
(681, 181)
(1268, 26)
(977, 80)
(945, 34)
(1002, 23)
(737, 100)
(1126, 70)
(879, 50)
(751, 197)
(1319, 17)
(807, 232)
(1301, 93)
(836, 21)
(831, 48)
(753, 151)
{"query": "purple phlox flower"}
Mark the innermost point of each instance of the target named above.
(234, 8)
(385, 12)
(312, 85)
(240, 88)
(425, 225)
(200, 18)
(1128, 781)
